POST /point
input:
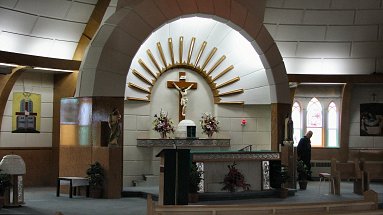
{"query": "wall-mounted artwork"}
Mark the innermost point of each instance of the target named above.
(371, 119)
(26, 109)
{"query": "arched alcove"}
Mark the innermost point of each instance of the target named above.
(110, 54)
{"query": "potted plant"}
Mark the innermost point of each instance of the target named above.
(95, 174)
(234, 179)
(5, 183)
(195, 179)
(303, 173)
(284, 176)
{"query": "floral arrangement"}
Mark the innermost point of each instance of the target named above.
(163, 124)
(234, 179)
(209, 124)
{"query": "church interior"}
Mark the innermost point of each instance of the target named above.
(84, 81)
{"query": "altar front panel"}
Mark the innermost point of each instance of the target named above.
(250, 164)
(214, 173)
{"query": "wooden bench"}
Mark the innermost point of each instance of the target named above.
(374, 169)
(371, 161)
(349, 171)
(367, 166)
(73, 183)
(369, 205)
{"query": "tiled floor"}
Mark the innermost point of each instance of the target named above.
(43, 201)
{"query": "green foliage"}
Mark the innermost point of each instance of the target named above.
(5, 181)
(95, 174)
(195, 178)
(234, 179)
(303, 171)
(284, 174)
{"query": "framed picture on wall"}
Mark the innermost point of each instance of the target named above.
(371, 119)
(26, 109)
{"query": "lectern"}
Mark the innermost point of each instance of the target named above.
(174, 176)
(15, 166)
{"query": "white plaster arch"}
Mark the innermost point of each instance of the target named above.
(122, 34)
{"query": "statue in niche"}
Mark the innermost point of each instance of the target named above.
(289, 128)
(184, 98)
(115, 127)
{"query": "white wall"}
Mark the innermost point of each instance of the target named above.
(362, 93)
(138, 117)
(257, 132)
(40, 83)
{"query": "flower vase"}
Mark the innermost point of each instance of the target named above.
(163, 135)
(210, 135)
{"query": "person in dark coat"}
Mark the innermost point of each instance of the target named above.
(304, 151)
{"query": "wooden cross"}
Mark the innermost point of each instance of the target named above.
(182, 84)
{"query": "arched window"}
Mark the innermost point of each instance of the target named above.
(297, 122)
(332, 126)
(314, 121)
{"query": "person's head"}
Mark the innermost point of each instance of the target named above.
(309, 134)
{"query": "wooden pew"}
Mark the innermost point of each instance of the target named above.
(350, 171)
(372, 162)
(369, 205)
(368, 165)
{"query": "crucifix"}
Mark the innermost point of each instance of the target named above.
(182, 86)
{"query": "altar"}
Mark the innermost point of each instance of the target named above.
(213, 157)
(256, 166)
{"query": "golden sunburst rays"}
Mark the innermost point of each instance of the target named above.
(148, 72)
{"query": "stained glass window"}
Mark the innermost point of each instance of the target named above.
(332, 126)
(314, 121)
(297, 122)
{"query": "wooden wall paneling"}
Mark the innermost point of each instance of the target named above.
(38, 162)
(366, 154)
(324, 154)
(109, 157)
(74, 160)
(64, 86)
(111, 160)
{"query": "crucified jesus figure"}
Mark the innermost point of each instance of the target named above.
(184, 98)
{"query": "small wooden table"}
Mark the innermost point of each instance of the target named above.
(73, 182)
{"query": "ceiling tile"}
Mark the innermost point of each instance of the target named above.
(80, 12)
(49, 8)
(57, 29)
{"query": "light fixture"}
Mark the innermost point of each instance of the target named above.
(8, 65)
(51, 69)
